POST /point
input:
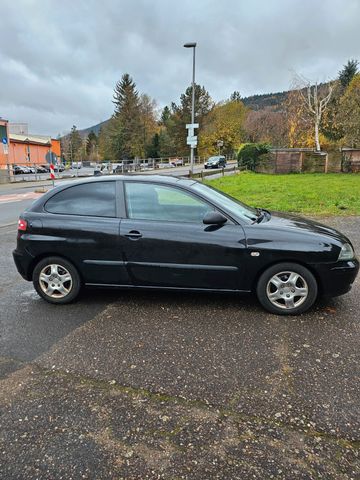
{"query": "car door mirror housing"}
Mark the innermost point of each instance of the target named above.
(214, 218)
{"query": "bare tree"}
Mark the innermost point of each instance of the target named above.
(316, 98)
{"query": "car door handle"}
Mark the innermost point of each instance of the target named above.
(133, 234)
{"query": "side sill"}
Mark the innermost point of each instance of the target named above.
(151, 287)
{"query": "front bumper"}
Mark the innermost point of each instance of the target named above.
(337, 278)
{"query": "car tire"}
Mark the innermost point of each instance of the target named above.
(287, 289)
(57, 276)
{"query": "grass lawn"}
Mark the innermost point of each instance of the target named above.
(310, 193)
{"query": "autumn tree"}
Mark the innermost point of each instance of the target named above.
(149, 125)
(266, 126)
(225, 122)
(332, 126)
(315, 98)
(299, 125)
(91, 145)
(349, 113)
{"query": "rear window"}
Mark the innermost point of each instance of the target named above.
(91, 199)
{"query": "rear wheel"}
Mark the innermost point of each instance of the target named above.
(287, 289)
(56, 280)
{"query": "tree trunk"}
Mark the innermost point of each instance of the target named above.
(317, 142)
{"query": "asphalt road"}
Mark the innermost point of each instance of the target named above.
(164, 385)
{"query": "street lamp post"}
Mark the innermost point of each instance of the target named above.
(192, 145)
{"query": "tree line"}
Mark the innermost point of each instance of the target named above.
(139, 129)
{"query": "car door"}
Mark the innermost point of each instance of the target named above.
(166, 244)
(81, 223)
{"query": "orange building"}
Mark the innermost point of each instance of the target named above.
(30, 149)
(26, 149)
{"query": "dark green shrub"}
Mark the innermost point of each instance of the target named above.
(249, 154)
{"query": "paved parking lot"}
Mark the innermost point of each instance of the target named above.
(163, 385)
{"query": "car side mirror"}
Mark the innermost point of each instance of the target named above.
(214, 218)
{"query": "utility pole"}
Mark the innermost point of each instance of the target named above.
(192, 139)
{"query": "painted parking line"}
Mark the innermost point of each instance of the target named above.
(19, 197)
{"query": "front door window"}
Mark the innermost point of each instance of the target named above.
(149, 201)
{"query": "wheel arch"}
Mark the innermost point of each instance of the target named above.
(40, 257)
(287, 260)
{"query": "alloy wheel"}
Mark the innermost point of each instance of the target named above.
(55, 281)
(287, 290)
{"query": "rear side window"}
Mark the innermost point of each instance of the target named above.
(92, 199)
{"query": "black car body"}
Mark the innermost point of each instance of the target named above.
(215, 162)
(142, 231)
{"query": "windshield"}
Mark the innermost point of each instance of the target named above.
(213, 159)
(230, 204)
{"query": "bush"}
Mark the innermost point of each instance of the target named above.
(249, 154)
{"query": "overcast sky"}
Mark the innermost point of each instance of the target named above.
(59, 60)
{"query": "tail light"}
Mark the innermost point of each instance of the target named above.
(22, 225)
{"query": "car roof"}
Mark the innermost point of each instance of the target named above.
(134, 178)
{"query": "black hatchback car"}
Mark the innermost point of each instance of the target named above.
(215, 162)
(162, 232)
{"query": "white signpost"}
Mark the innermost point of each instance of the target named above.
(192, 139)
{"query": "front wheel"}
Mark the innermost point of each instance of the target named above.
(287, 289)
(56, 280)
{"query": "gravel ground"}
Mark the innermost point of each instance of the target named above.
(170, 386)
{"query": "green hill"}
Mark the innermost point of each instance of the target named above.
(265, 100)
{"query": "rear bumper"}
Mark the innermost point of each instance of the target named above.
(23, 261)
(337, 278)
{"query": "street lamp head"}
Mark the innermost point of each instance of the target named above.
(190, 45)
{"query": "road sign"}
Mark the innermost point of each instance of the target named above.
(5, 148)
(192, 125)
(192, 140)
(4, 140)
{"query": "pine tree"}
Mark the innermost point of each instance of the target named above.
(125, 126)
(348, 72)
(153, 150)
(235, 96)
(180, 115)
(165, 116)
(75, 144)
(125, 95)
